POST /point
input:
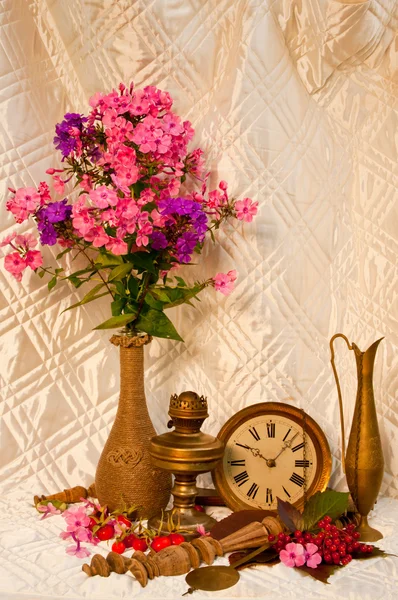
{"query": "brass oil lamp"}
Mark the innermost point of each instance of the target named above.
(186, 452)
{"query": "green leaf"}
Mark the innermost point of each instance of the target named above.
(106, 259)
(182, 295)
(180, 281)
(51, 283)
(120, 271)
(58, 271)
(41, 274)
(143, 261)
(114, 322)
(330, 503)
(290, 516)
(150, 300)
(121, 290)
(89, 297)
(61, 254)
(157, 324)
(133, 286)
(161, 295)
(117, 306)
(75, 281)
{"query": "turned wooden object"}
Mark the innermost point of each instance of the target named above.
(177, 560)
(69, 496)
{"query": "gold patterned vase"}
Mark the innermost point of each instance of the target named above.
(125, 475)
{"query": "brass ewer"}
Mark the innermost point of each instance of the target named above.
(186, 452)
(363, 464)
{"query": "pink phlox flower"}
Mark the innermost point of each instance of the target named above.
(59, 184)
(189, 130)
(215, 200)
(86, 183)
(127, 209)
(26, 241)
(172, 124)
(293, 555)
(97, 236)
(158, 219)
(76, 517)
(146, 196)
(139, 105)
(109, 216)
(8, 239)
(80, 206)
(44, 192)
(82, 534)
(109, 117)
(117, 246)
(103, 197)
(223, 185)
(312, 556)
(126, 176)
(78, 551)
(48, 510)
(246, 209)
(200, 529)
(33, 259)
(96, 100)
(83, 222)
(142, 234)
(224, 282)
(15, 264)
(65, 535)
(24, 203)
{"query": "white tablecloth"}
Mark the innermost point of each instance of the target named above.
(33, 565)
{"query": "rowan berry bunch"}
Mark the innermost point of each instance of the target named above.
(335, 546)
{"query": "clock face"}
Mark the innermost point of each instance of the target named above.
(268, 456)
(265, 459)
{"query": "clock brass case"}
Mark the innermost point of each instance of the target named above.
(298, 417)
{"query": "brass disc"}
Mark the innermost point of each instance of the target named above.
(211, 579)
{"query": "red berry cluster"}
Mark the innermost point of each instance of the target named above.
(140, 543)
(336, 546)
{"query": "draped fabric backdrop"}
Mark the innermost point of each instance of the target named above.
(295, 103)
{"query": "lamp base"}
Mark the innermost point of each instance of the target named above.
(187, 519)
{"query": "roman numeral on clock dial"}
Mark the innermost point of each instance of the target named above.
(253, 491)
(241, 478)
(254, 433)
(271, 430)
(302, 463)
(239, 463)
(268, 496)
(298, 447)
(286, 434)
(286, 492)
(297, 479)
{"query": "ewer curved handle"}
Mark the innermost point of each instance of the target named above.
(339, 392)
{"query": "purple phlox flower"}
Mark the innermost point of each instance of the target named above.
(65, 139)
(159, 240)
(200, 224)
(48, 510)
(48, 235)
(185, 246)
(57, 211)
(179, 206)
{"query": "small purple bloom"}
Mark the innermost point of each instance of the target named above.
(48, 235)
(186, 245)
(57, 211)
(64, 140)
(159, 240)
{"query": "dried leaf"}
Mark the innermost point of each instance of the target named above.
(321, 573)
(269, 557)
(291, 517)
(236, 521)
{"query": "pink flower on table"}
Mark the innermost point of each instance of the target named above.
(97, 236)
(78, 551)
(116, 246)
(200, 529)
(246, 209)
(15, 264)
(48, 510)
(7, 240)
(312, 556)
(103, 197)
(33, 259)
(224, 282)
(76, 517)
(293, 555)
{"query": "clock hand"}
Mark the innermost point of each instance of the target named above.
(256, 452)
(286, 444)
